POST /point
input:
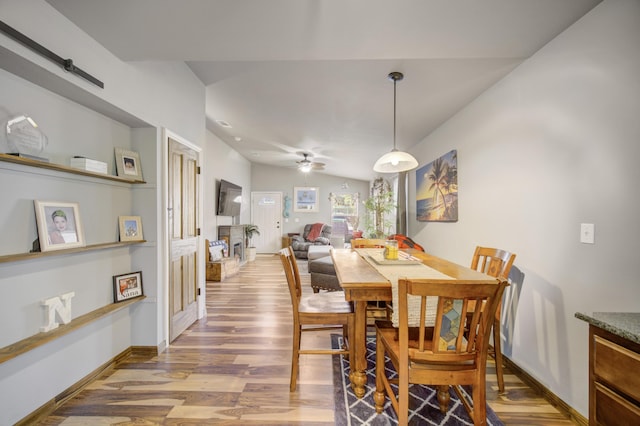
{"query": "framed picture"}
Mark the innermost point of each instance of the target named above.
(59, 225)
(127, 286)
(437, 190)
(305, 199)
(128, 164)
(130, 228)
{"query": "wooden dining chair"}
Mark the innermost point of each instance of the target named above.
(367, 243)
(438, 355)
(496, 263)
(375, 309)
(323, 310)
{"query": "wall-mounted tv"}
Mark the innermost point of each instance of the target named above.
(229, 199)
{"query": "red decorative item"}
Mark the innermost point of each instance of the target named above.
(316, 230)
(406, 242)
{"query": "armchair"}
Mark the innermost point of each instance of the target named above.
(300, 243)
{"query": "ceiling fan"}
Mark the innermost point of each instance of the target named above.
(305, 165)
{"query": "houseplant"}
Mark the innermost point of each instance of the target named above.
(249, 231)
(378, 207)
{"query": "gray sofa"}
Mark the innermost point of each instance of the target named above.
(300, 244)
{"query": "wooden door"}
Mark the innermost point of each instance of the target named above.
(183, 237)
(266, 212)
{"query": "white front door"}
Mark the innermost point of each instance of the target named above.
(266, 213)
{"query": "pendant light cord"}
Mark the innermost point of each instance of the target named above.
(395, 76)
(394, 113)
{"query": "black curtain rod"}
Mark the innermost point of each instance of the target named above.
(67, 64)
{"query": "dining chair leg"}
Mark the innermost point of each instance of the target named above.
(351, 325)
(498, 354)
(379, 395)
(479, 396)
(345, 337)
(443, 398)
(295, 357)
(403, 398)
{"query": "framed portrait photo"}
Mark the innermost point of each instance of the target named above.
(130, 228)
(305, 199)
(59, 225)
(127, 286)
(128, 164)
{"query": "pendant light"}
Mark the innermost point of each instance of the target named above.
(395, 161)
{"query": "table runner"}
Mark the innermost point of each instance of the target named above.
(395, 272)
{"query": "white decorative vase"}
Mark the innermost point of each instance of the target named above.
(251, 254)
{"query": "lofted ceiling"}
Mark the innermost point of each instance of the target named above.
(293, 76)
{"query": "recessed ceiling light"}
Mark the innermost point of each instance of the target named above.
(223, 124)
(238, 138)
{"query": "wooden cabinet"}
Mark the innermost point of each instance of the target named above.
(614, 382)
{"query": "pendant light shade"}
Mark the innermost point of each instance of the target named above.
(395, 161)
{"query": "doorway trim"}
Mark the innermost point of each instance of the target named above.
(163, 234)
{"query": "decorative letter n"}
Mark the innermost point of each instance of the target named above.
(60, 305)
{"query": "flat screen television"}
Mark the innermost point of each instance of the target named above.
(229, 199)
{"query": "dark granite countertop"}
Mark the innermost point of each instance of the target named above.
(623, 324)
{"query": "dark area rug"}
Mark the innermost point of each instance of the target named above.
(423, 406)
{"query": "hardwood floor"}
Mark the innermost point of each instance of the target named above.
(232, 368)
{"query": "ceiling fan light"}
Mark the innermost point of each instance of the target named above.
(305, 168)
(395, 162)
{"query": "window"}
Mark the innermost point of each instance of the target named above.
(344, 214)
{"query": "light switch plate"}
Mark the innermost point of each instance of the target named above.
(587, 233)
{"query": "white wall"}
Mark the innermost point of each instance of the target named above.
(553, 145)
(160, 94)
(222, 162)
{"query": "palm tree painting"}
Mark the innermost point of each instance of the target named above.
(437, 190)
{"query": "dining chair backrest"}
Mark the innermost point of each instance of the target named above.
(367, 243)
(492, 261)
(448, 341)
(292, 273)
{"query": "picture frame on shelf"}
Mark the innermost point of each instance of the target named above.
(130, 228)
(128, 164)
(305, 199)
(127, 286)
(59, 225)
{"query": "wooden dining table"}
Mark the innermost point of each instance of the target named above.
(362, 283)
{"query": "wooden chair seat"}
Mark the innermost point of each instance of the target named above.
(330, 302)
